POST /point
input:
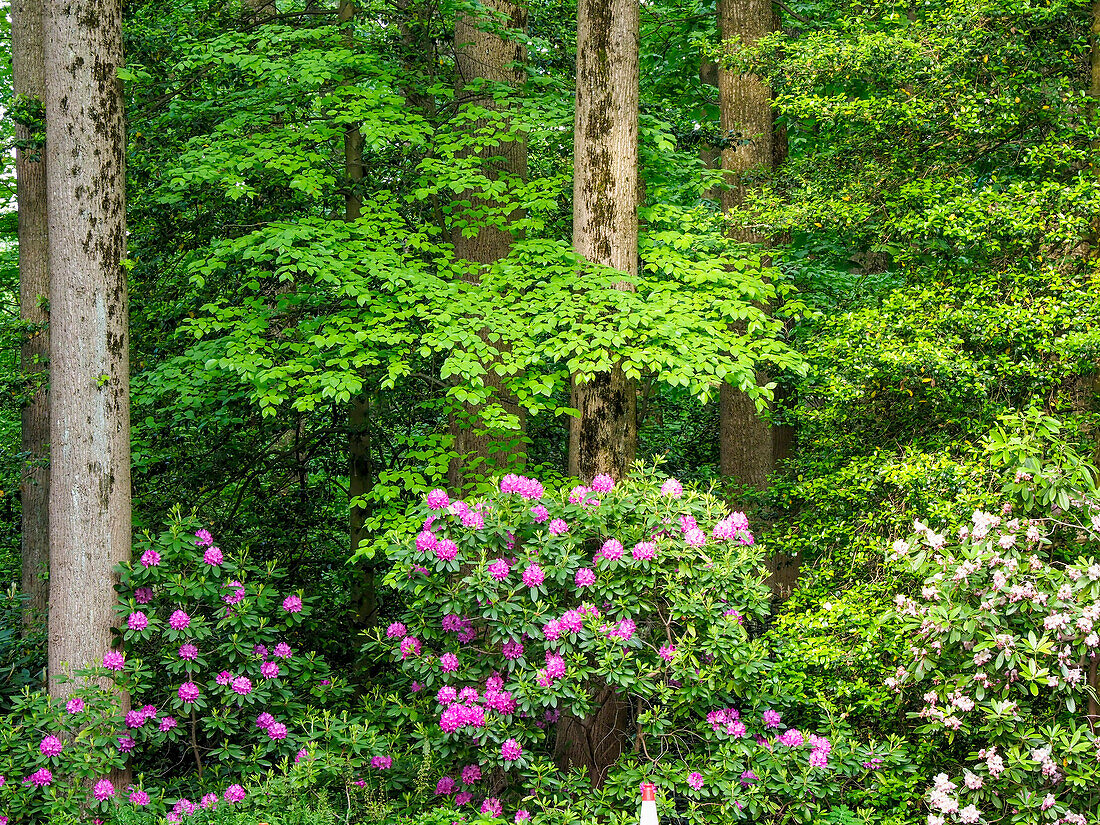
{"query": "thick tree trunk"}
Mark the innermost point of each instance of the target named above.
(605, 214)
(746, 441)
(34, 291)
(89, 343)
(605, 231)
(482, 54)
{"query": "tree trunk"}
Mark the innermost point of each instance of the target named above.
(364, 591)
(34, 291)
(89, 341)
(746, 440)
(482, 54)
(605, 214)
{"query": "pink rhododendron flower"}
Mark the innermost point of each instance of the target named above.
(446, 550)
(292, 604)
(40, 778)
(166, 724)
(448, 663)
(558, 527)
(213, 557)
(103, 790)
(471, 774)
(533, 575)
(241, 685)
(770, 718)
(74, 705)
(437, 500)
(667, 652)
(499, 569)
(269, 670)
(410, 646)
(234, 793)
(276, 730)
(511, 750)
(203, 538)
(492, 807)
(381, 763)
(695, 780)
(139, 798)
(143, 595)
(444, 786)
(188, 651)
(672, 488)
(644, 550)
(585, 577)
(282, 651)
(512, 650)
(137, 621)
(603, 483)
(150, 558)
(539, 514)
(188, 692)
(396, 630)
(695, 537)
(113, 660)
(179, 620)
(425, 541)
(50, 746)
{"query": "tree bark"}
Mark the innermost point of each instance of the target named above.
(605, 214)
(747, 451)
(34, 289)
(482, 54)
(89, 343)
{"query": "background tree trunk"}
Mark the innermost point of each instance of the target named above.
(34, 291)
(89, 343)
(746, 441)
(605, 214)
(482, 54)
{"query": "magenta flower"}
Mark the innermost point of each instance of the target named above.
(50, 746)
(224, 678)
(135, 719)
(585, 577)
(522, 816)
(791, 738)
(209, 800)
(499, 569)
(445, 550)
(137, 621)
(555, 666)
(695, 779)
(558, 526)
(437, 500)
(463, 798)
(512, 650)
(126, 744)
(603, 483)
(396, 630)
(770, 718)
(150, 558)
(241, 685)
(667, 652)
(672, 488)
(382, 763)
(292, 604)
(282, 651)
(213, 557)
(695, 537)
(492, 806)
(446, 695)
(551, 630)
(179, 620)
(612, 550)
(113, 660)
(103, 790)
(234, 793)
(143, 595)
(444, 786)
(40, 778)
(300, 755)
(167, 723)
(533, 575)
(539, 513)
(572, 621)
(448, 663)
(265, 720)
(410, 646)
(188, 651)
(188, 692)
(511, 750)
(269, 670)
(203, 538)
(425, 541)
(644, 550)
(471, 774)
(140, 798)
(276, 730)
(74, 705)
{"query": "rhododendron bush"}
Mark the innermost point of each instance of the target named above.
(1005, 647)
(535, 617)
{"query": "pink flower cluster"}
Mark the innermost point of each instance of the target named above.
(527, 488)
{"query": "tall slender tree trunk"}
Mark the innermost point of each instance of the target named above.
(605, 214)
(747, 452)
(482, 54)
(34, 289)
(89, 501)
(364, 591)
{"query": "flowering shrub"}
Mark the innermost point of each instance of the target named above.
(534, 617)
(213, 675)
(1006, 645)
